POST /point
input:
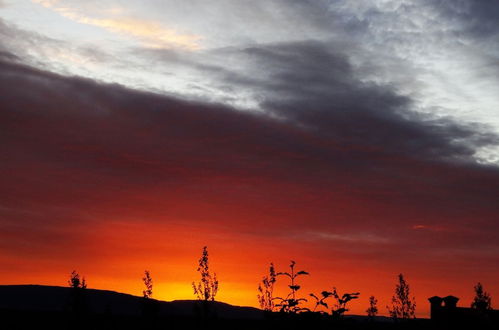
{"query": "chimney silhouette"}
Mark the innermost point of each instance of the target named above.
(435, 306)
(450, 302)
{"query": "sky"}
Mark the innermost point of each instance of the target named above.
(358, 138)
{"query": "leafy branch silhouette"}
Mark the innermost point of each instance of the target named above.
(290, 304)
(322, 300)
(341, 302)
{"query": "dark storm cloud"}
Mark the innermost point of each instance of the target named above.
(327, 145)
(314, 86)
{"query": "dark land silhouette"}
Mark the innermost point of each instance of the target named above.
(49, 307)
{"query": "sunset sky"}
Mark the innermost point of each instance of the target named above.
(358, 138)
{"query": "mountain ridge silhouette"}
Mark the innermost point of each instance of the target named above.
(34, 297)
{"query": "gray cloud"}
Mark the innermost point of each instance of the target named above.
(313, 85)
(353, 139)
(478, 18)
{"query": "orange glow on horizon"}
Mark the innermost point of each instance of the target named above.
(119, 260)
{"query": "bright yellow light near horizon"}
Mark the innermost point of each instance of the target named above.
(149, 33)
(232, 293)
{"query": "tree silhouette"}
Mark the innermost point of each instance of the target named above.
(403, 307)
(372, 311)
(77, 302)
(290, 304)
(148, 283)
(341, 302)
(207, 288)
(266, 290)
(482, 298)
(76, 282)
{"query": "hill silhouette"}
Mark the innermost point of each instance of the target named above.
(55, 299)
(38, 306)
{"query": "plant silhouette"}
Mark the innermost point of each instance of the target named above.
(266, 290)
(207, 288)
(340, 306)
(403, 306)
(147, 293)
(290, 304)
(77, 297)
(76, 282)
(150, 307)
(322, 300)
(372, 311)
(482, 299)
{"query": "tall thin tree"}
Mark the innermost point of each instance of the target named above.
(372, 311)
(147, 293)
(403, 306)
(207, 288)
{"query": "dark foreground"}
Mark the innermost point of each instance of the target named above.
(12, 320)
(30, 307)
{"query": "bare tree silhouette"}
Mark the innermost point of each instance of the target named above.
(147, 293)
(207, 288)
(403, 306)
(482, 299)
(266, 290)
(290, 304)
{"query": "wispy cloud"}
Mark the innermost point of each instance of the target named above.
(149, 33)
(352, 238)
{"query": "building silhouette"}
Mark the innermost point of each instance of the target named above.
(444, 312)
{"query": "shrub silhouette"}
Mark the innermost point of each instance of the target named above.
(482, 299)
(76, 296)
(207, 288)
(403, 307)
(290, 304)
(150, 307)
(372, 311)
(340, 306)
(147, 293)
(76, 282)
(266, 290)
(322, 300)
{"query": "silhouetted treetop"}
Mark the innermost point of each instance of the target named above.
(482, 299)
(76, 282)
(147, 293)
(207, 288)
(403, 306)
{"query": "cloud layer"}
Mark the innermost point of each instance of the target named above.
(344, 144)
(347, 174)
